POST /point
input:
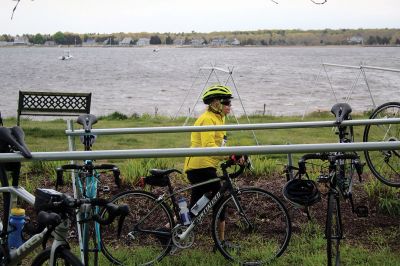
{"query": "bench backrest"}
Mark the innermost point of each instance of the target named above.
(53, 103)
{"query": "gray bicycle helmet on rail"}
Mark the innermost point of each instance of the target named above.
(302, 193)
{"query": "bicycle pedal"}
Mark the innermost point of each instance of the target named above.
(72, 234)
(361, 211)
(106, 189)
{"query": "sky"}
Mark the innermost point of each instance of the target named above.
(111, 16)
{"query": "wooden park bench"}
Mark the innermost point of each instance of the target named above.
(53, 104)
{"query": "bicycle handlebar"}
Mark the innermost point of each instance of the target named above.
(331, 157)
(234, 161)
(89, 167)
(112, 209)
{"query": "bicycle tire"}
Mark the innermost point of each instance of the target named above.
(261, 244)
(333, 231)
(144, 248)
(63, 255)
(385, 165)
(90, 256)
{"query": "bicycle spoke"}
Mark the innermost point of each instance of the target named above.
(264, 240)
(385, 165)
(147, 240)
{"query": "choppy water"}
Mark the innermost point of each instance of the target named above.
(138, 80)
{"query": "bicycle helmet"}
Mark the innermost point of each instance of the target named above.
(301, 193)
(216, 92)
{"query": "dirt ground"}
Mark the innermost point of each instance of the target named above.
(357, 230)
(361, 231)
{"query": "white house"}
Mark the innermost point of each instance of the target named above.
(197, 42)
(179, 41)
(89, 42)
(143, 42)
(50, 43)
(21, 40)
(356, 39)
(126, 41)
(235, 42)
(219, 42)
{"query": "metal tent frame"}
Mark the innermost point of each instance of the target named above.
(207, 72)
(362, 68)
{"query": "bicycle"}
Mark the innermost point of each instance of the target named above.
(338, 180)
(86, 186)
(257, 224)
(12, 140)
(385, 165)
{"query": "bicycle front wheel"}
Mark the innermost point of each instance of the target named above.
(63, 256)
(384, 164)
(333, 229)
(146, 233)
(251, 226)
(90, 248)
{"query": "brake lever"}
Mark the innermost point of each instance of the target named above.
(120, 223)
(117, 178)
(124, 212)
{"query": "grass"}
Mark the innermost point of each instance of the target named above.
(305, 248)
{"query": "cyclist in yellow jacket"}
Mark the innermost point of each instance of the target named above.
(200, 169)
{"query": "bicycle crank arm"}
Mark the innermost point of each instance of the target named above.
(186, 232)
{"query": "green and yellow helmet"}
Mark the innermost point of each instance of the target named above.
(216, 92)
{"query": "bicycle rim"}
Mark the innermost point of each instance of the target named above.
(384, 164)
(261, 241)
(333, 231)
(145, 236)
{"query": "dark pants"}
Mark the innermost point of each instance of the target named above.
(196, 176)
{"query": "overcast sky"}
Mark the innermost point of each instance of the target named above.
(108, 16)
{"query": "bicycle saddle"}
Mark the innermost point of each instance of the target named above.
(12, 139)
(87, 120)
(162, 172)
(341, 112)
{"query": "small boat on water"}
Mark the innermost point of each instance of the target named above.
(66, 56)
(156, 50)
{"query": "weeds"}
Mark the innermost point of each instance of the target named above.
(387, 198)
(131, 170)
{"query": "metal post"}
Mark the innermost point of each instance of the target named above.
(71, 147)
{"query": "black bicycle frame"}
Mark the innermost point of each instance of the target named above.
(226, 186)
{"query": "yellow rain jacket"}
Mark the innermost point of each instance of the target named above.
(205, 140)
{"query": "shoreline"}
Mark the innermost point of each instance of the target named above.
(200, 46)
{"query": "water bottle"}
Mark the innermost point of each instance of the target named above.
(17, 221)
(184, 211)
(200, 204)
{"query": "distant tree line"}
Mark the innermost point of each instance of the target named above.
(259, 37)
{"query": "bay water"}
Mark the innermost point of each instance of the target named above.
(169, 80)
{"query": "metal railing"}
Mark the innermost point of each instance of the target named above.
(182, 152)
(260, 126)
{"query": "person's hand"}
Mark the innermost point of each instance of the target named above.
(239, 159)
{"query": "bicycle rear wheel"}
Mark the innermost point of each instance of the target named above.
(63, 256)
(146, 233)
(333, 231)
(257, 227)
(384, 164)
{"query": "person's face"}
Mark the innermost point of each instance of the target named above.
(226, 106)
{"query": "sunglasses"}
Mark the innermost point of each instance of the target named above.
(227, 103)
